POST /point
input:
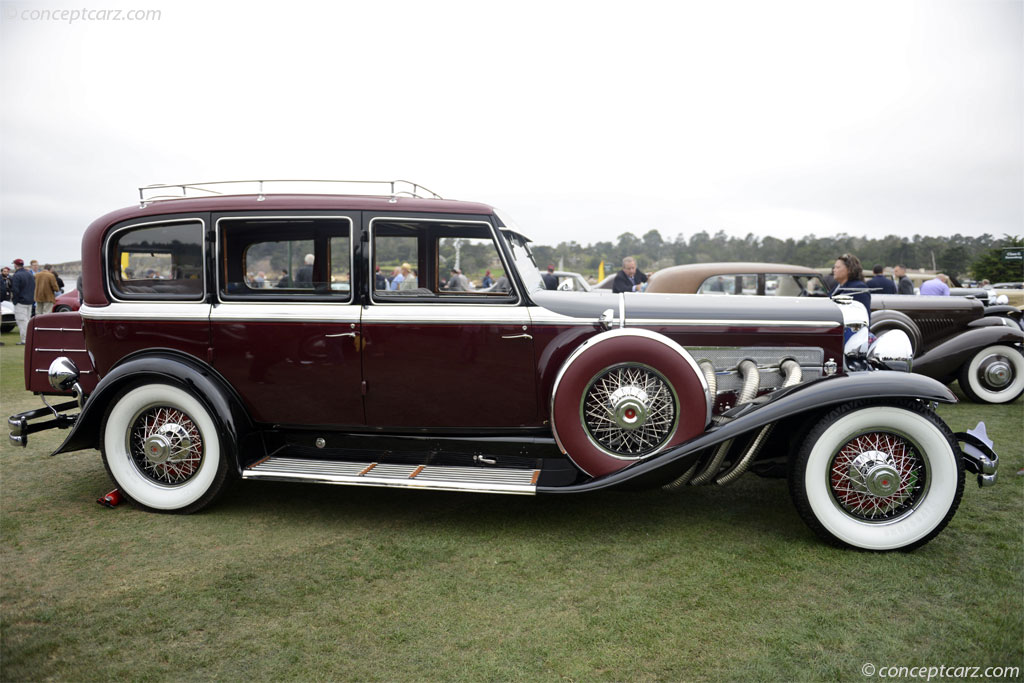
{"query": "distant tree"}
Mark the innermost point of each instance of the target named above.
(954, 261)
(991, 265)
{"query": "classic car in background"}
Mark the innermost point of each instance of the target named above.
(571, 282)
(193, 377)
(954, 338)
(8, 322)
(68, 301)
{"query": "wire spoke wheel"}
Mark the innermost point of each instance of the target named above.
(165, 445)
(878, 476)
(629, 410)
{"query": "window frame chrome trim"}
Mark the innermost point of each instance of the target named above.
(106, 261)
(433, 302)
(326, 298)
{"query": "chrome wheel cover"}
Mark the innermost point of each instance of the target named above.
(629, 411)
(878, 476)
(165, 445)
(996, 372)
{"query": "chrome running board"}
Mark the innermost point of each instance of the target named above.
(436, 477)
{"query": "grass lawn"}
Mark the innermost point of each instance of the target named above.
(298, 582)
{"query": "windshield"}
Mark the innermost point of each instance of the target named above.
(522, 257)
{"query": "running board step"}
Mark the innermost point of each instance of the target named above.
(436, 477)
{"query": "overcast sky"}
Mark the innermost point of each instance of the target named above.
(582, 120)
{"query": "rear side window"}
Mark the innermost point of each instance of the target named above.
(286, 258)
(161, 261)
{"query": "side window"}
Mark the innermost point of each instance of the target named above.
(285, 258)
(729, 284)
(718, 284)
(437, 260)
(471, 266)
(396, 256)
(788, 285)
(158, 262)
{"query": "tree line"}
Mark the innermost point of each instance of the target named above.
(959, 255)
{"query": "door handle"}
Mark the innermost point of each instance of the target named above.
(343, 334)
(517, 336)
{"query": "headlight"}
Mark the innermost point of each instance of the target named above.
(857, 342)
(892, 350)
(63, 374)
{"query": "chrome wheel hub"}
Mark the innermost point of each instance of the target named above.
(165, 445)
(878, 476)
(875, 473)
(629, 406)
(171, 442)
(996, 372)
(629, 411)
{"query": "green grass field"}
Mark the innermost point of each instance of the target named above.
(292, 582)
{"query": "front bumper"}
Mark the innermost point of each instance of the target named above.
(979, 457)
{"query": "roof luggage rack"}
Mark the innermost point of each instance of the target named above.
(227, 188)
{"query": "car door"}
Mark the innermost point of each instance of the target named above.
(285, 327)
(439, 352)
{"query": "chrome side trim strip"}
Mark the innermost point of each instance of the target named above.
(693, 322)
(282, 311)
(456, 314)
(438, 478)
(147, 310)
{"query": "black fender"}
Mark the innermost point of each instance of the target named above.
(169, 367)
(888, 319)
(945, 359)
(1004, 311)
(882, 386)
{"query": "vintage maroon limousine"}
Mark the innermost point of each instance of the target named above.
(252, 336)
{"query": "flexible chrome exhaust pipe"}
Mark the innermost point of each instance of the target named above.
(751, 382)
(791, 369)
(712, 379)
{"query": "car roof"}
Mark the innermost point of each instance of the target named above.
(688, 277)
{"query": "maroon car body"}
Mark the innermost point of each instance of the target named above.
(249, 336)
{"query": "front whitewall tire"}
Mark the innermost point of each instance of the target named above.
(199, 488)
(815, 499)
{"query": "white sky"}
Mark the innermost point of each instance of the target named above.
(580, 119)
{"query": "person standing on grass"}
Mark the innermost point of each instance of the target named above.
(937, 286)
(629, 279)
(23, 290)
(880, 282)
(903, 283)
(46, 289)
(848, 272)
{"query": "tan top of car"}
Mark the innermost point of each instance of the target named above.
(687, 279)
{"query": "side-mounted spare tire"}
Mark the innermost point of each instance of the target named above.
(626, 395)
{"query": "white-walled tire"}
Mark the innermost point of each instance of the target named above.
(995, 374)
(161, 447)
(882, 477)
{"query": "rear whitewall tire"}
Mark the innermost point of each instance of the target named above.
(199, 487)
(816, 501)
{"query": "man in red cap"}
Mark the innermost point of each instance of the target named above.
(23, 295)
